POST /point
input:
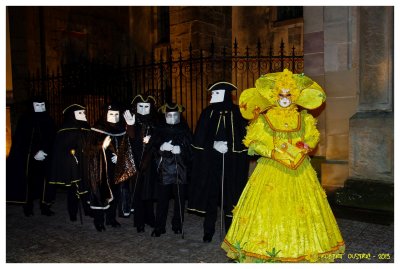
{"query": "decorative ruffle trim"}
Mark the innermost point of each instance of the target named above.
(335, 252)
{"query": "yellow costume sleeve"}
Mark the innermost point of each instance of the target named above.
(258, 139)
(311, 136)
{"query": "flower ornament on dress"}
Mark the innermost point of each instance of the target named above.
(271, 88)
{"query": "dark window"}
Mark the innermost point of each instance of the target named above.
(287, 13)
(163, 24)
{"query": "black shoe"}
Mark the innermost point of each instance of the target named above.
(207, 238)
(140, 229)
(158, 232)
(113, 222)
(47, 212)
(177, 230)
(28, 210)
(99, 227)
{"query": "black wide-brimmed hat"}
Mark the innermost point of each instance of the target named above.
(72, 108)
(222, 85)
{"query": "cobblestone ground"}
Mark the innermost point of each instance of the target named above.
(42, 239)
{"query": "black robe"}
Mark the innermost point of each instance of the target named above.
(167, 162)
(99, 169)
(67, 163)
(145, 179)
(27, 178)
(218, 122)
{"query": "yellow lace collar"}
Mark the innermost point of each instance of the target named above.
(284, 119)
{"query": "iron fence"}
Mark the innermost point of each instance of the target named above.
(168, 78)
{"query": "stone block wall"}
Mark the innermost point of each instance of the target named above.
(198, 26)
(331, 58)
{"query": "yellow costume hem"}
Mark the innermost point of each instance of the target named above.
(327, 256)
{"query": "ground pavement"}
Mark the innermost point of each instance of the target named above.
(42, 239)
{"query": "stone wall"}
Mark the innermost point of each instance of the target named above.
(250, 24)
(331, 58)
(370, 183)
(198, 26)
(372, 128)
(349, 51)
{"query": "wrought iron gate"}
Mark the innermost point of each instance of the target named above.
(182, 80)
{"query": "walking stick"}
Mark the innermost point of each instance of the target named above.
(77, 188)
(179, 196)
(80, 209)
(138, 172)
(222, 196)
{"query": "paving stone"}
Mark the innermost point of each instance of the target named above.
(55, 239)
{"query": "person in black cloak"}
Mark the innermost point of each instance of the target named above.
(67, 162)
(220, 162)
(105, 146)
(144, 108)
(173, 138)
(27, 166)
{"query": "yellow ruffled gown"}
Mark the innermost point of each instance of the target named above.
(283, 207)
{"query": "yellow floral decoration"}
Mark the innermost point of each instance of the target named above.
(304, 92)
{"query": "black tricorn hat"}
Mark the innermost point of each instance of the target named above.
(144, 99)
(38, 99)
(171, 107)
(72, 108)
(115, 106)
(222, 85)
(68, 112)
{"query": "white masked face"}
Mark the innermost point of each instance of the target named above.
(284, 101)
(143, 108)
(217, 96)
(173, 117)
(80, 115)
(39, 107)
(113, 116)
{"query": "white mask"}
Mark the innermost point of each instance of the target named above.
(143, 108)
(113, 116)
(284, 101)
(80, 115)
(39, 107)
(217, 96)
(173, 117)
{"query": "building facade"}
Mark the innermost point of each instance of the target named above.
(347, 50)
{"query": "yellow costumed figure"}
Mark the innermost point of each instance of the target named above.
(283, 213)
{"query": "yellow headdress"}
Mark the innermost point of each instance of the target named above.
(303, 91)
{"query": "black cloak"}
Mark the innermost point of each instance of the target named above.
(145, 125)
(144, 157)
(218, 122)
(26, 177)
(67, 163)
(99, 169)
(167, 162)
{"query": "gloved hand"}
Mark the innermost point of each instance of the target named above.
(106, 142)
(114, 158)
(221, 146)
(129, 118)
(176, 150)
(40, 155)
(166, 146)
(146, 139)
